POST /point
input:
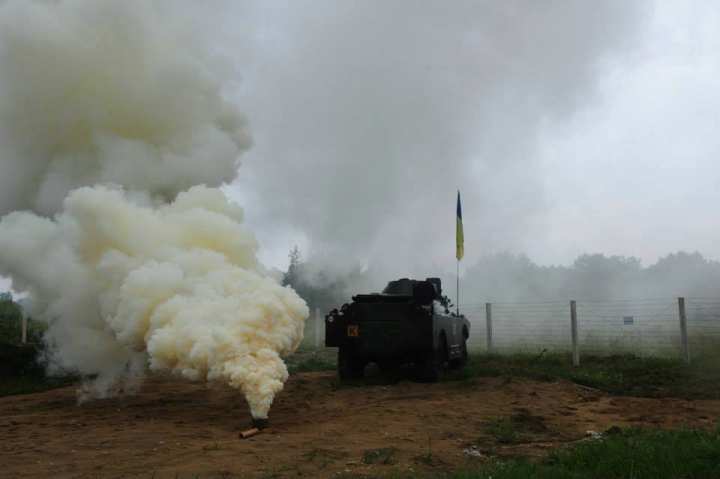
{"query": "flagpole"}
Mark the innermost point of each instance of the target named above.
(459, 250)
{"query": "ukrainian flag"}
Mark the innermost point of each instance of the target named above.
(459, 239)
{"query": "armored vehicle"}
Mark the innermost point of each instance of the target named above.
(409, 322)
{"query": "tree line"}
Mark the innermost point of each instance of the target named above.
(507, 277)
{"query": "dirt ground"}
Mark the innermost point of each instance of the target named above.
(175, 428)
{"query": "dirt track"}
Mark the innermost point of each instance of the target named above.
(319, 430)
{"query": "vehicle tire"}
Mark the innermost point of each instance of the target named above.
(387, 368)
(432, 363)
(460, 362)
(349, 366)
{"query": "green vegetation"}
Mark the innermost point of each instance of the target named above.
(622, 454)
(635, 453)
(21, 368)
(12, 385)
(22, 371)
(319, 288)
(619, 454)
(428, 457)
(503, 431)
(625, 375)
(384, 455)
(506, 277)
(20, 360)
(513, 430)
(304, 361)
(10, 321)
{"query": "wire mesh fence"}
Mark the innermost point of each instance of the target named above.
(521, 326)
(646, 327)
(703, 325)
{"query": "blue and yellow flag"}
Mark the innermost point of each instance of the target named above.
(459, 239)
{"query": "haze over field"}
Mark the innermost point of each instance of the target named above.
(570, 128)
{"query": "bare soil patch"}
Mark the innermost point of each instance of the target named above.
(174, 427)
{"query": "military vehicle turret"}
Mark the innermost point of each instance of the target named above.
(409, 322)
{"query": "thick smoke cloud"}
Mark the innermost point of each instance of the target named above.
(388, 107)
(179, 284)
(109, 112)
(94, 92)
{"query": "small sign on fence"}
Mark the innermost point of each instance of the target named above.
(627, 320)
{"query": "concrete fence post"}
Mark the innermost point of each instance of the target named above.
(24, 325)
(318, 318)
(574, 331)
(683, 331)
(488, 322)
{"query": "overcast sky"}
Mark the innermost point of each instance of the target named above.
(569, 127)
(572, 128)
(636, 173)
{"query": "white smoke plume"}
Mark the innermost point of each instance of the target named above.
(106, 91)
(110, 114)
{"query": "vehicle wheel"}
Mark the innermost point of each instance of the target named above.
(349, 366)
(387, 367)
(432, 363)
(460, 362)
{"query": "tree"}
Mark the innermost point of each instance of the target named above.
(10, 321)
(292, 275)
(313, 282)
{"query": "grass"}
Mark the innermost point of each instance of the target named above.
(625, 454)
(308, 360)
(503, 431)
(428, 458)
(622, 375)
(384, 455)
(13, 385)
(625, 375)
(516, 429)
(21, 371)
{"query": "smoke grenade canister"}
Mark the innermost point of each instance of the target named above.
(261, 422)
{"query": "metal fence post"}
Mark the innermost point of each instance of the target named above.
(683, 331)
(574, 329)
(317, 327)
(488, 322)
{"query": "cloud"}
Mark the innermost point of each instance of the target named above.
(370, 115)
